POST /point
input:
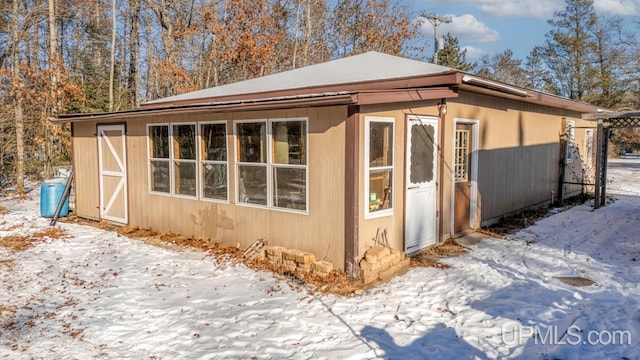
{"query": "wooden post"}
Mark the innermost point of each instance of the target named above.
(352, 182)
(605, 158)
(563, 161)
(600, 138)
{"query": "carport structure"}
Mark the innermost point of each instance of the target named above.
(606, 122)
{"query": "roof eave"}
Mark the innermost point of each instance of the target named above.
(254, 104)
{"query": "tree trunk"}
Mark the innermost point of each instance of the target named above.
(112, 66)
(134, 44)
(17, 100)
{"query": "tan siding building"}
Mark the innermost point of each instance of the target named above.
(385, 150)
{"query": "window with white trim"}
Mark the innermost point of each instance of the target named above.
(251, 162)
(570, 141)
(159, 158)
(378, 165)
(213, 160)
(184, 159)
(271, 163)
(289, 164)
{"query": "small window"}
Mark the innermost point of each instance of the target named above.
(570, 141)
(184, 155)
(213, 166)
(461, 165)
(159, 162)
(379, 165)
(251, 164)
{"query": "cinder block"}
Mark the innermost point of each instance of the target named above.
(291, 254)
(395, 269)
(275, 250)
(368, 276)
(385, 262)
(386, 275)
(404, 264)
(304, 258)
(322, 266)
(289, 263)
(376, 253)
(290, 268)
(275, 259)
(395, 259)
(304, 267)
(366, 265)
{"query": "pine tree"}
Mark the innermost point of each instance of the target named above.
(452, 56)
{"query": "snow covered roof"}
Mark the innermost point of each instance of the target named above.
(370, 66)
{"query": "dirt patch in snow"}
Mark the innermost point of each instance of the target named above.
(513, 223)
(430, 256)
(23, 242)
(3, 210)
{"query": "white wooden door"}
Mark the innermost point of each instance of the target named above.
(112, 157)
(421, 182)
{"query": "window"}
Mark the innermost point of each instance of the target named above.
(174, 163)
(252, 162)
(159, 163)
(379, 166)
(213, 163)
(184, 159)
(588, 147)
(272, 163)
(570, 141)
(289, 161)
(461, 165)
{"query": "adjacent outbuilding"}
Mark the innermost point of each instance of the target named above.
(334, 158)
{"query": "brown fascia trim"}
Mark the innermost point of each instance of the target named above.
(408, 95)
(482, 85)
(606, 115)
(258, 104)
(442, 79)
(344, 98)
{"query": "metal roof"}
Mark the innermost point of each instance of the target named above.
(365, 67)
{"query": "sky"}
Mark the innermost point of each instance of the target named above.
(492, 26)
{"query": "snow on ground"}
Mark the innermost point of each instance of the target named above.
(100, 295)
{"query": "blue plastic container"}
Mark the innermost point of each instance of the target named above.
(50, 195)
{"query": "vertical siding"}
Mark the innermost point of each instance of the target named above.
(393, 224)
(321, 231)
(85, 165)
(519, 154)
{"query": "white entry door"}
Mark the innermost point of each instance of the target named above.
(112, 157)
(421, 186)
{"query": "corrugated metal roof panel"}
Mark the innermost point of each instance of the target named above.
(365, 67)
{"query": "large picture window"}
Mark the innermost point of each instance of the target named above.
(177, 168)
(272, 163)
(379, 166)
(159, 158)
(213, 163)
